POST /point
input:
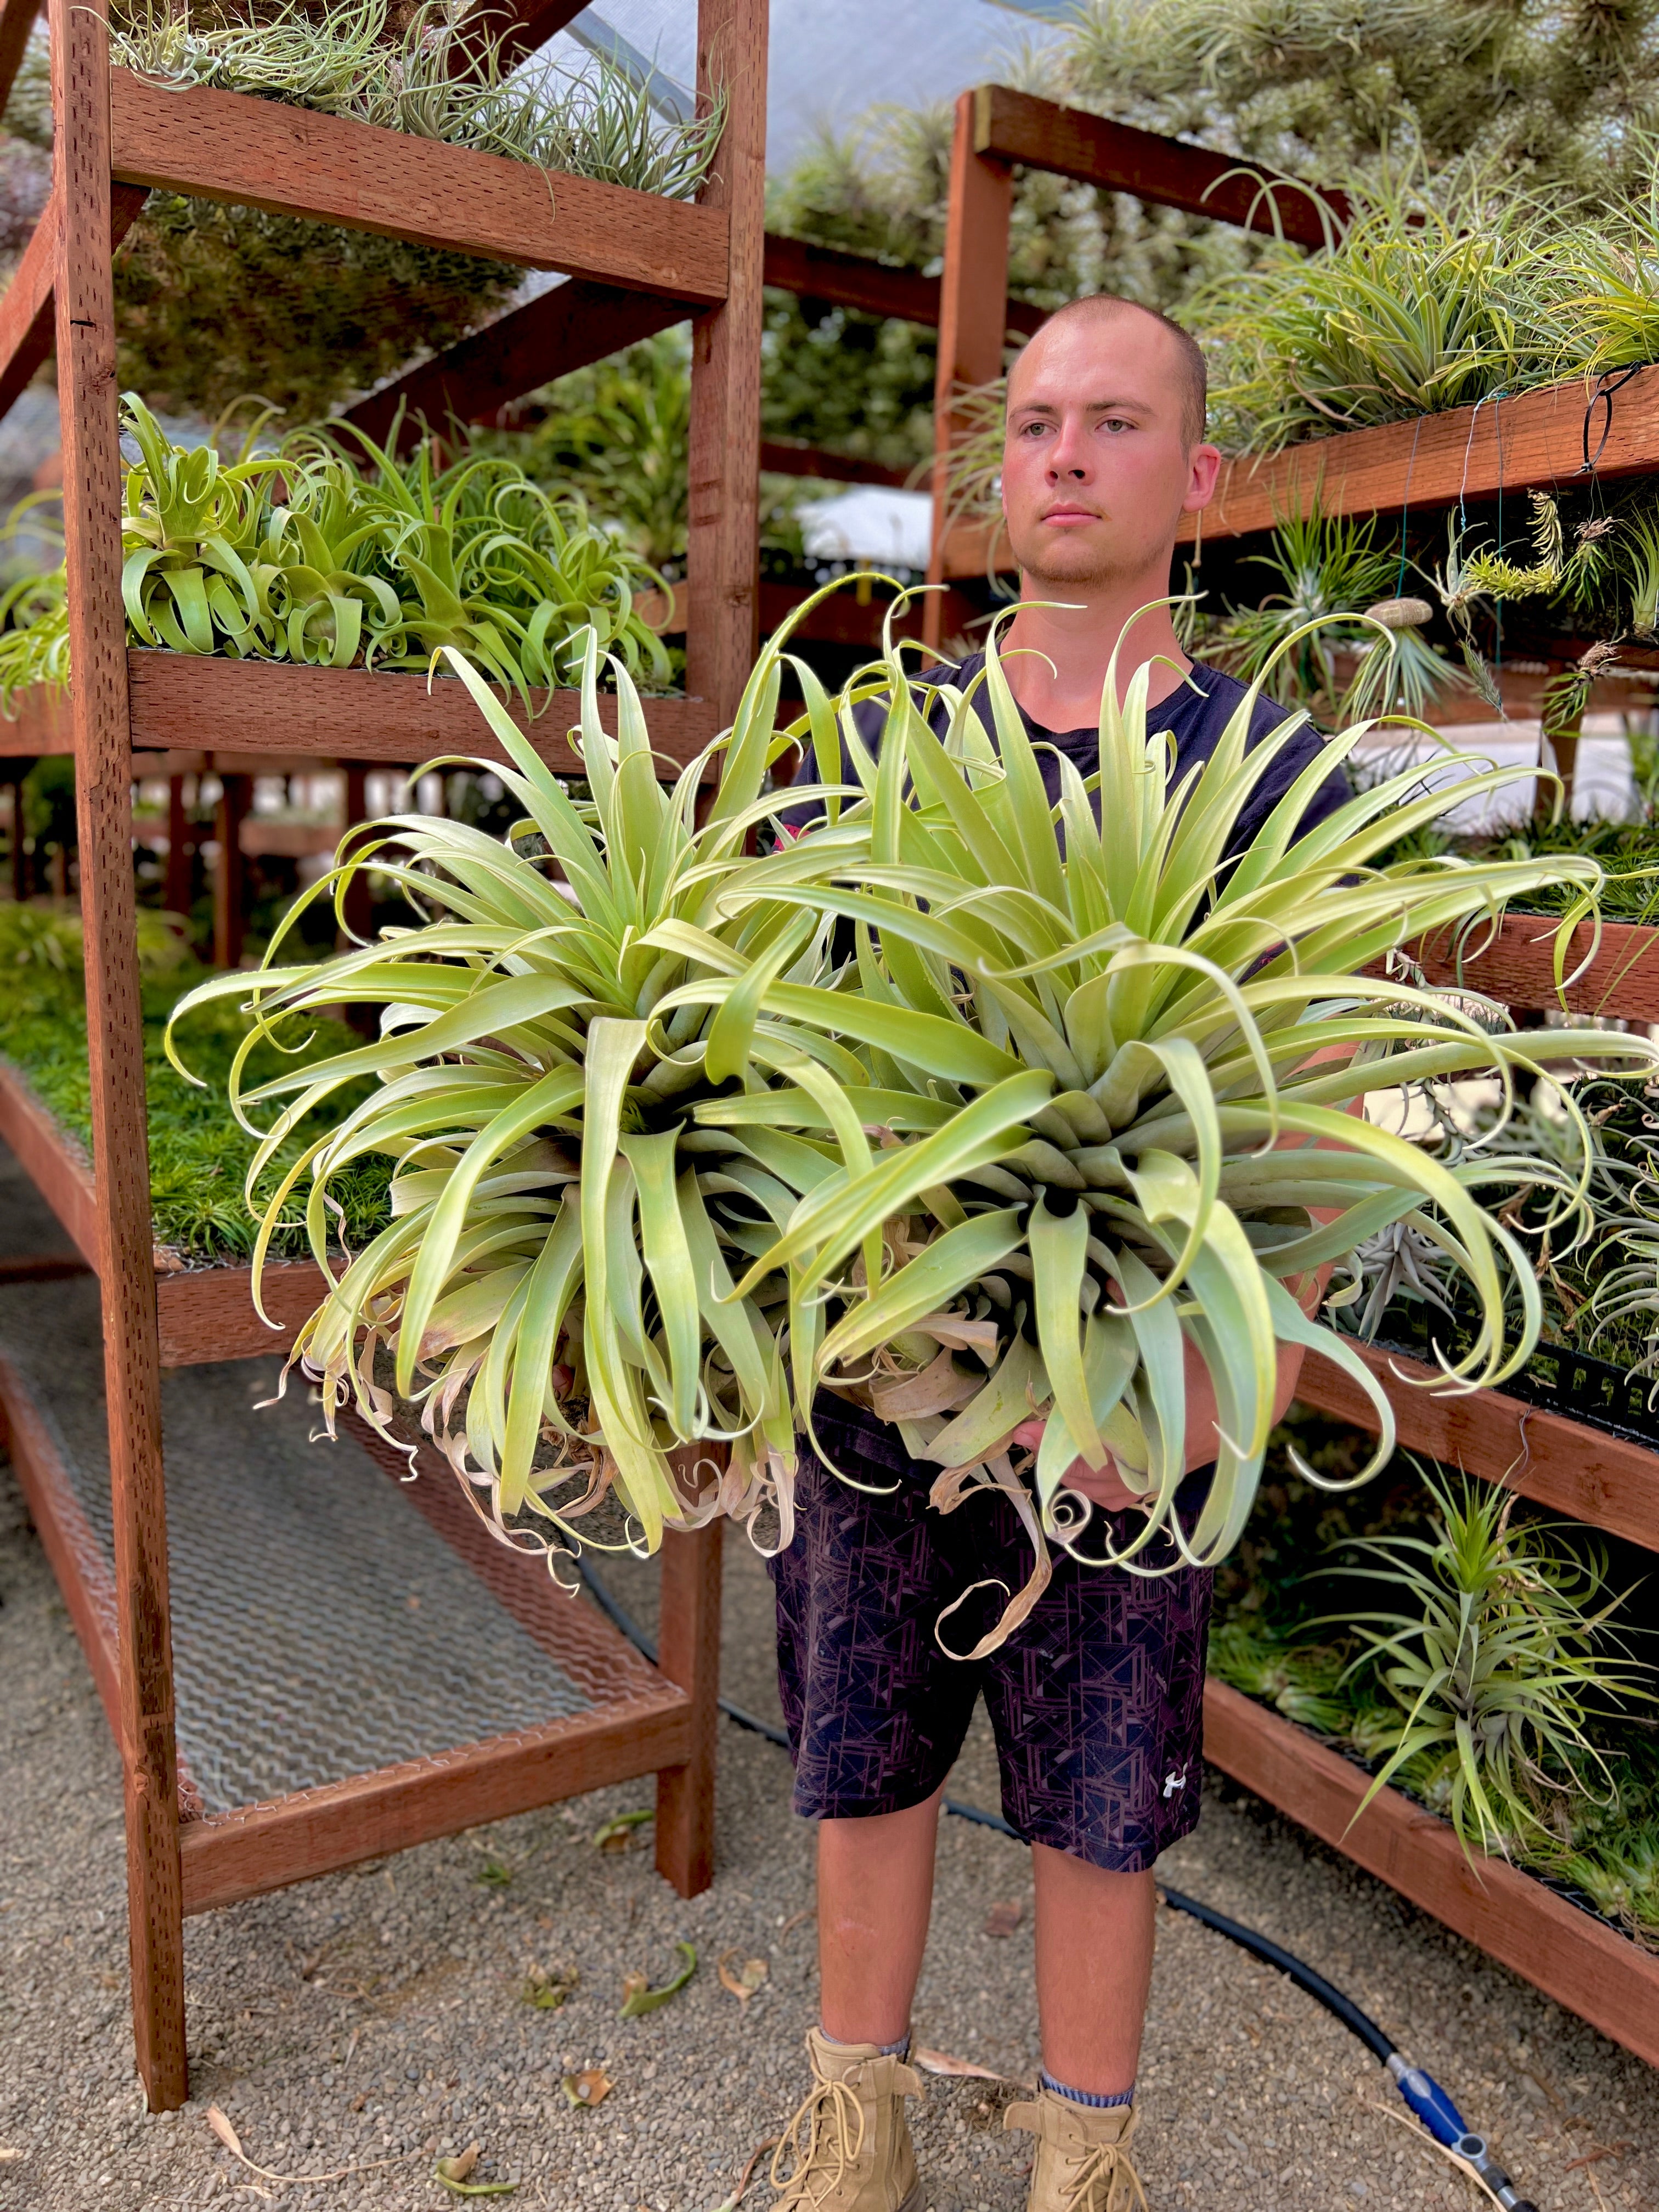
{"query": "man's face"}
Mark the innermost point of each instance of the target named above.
(1096, 473)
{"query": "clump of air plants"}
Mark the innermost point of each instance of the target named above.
(1431, 297)
(1340, 601)
(1494, 1666)
(330, 552)
(443, 76)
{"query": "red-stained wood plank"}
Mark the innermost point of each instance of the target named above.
(518, 28)
(231, 1856)
(1570, 1955)
(722, 558)
(689, 1653)
(257, 153)
(1017, 126)
(1586, 1473)
(474, 379)
(57, 1167)
(229, 873)
(27, 327)
(92, 517)
(973, 313)
(77, 1559)
(207, 1313)
(17, 19)
(1515, 964)
(40, 725)
(838, 279)
(183, 700)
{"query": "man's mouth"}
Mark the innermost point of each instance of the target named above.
(1068, 515)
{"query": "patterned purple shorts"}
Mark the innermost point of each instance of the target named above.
(1096, 1701)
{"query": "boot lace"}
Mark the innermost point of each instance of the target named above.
(831, 2119)
(1094, 2187)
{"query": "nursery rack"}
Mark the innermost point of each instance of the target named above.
(114, 138)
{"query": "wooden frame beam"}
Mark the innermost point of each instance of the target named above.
(28, 325)
(561, 329)
(17, 19)
(290, 161)
(99, 707)
(973, 310)
(788, 457)
(1588, 1474)
(520, 28)
(1015, 126)
(722, 561)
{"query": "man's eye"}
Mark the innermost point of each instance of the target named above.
(1114, 423)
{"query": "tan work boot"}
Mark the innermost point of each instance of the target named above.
(1083, 2161)
(849, 2143)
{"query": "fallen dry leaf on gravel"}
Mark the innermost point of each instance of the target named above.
(616, 1835)
(232, 2142)
(546, 1989)
(743, 1981)
(940, 2062)
(1003, 1918)
(591, 2086)
(455, 2174)
(638, 1996)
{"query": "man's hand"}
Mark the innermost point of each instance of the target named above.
(1105, 1489)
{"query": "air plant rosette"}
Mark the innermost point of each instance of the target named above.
(975, 1106)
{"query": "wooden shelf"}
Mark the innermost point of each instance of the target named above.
(202, 1313)
(1572, 1956)
(1588, 1474)
(289, 161)
(1468, 453)
(187, 703)
(638, 1723)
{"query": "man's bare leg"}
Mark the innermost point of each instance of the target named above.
(1094, 1970)
(875, 1893)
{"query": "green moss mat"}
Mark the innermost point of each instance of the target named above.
(198, 1155)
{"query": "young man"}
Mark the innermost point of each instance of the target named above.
(1096, 1700)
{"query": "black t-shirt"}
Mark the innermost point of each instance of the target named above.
(1196, 714)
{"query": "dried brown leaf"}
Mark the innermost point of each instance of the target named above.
(940, 2062)
(742, 1980)
(460, 2167)
(1003, 1918)
(589, 2088)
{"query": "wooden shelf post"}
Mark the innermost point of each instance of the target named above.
(723, 559)
(92, 523)
(177, 890)
(972, 315)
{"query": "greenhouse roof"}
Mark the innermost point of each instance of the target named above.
(827, 65)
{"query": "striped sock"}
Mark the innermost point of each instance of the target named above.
(1085, 2096)
(899, 2049)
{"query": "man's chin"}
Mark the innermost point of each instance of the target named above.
(1062, 561)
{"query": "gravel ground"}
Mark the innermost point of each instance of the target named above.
(380, 2016)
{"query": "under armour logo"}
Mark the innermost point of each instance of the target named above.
(1174, 1782)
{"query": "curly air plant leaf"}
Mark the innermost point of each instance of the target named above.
(555, 1286)
(1105, 1158)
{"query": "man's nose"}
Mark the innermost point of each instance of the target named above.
(1069, 459)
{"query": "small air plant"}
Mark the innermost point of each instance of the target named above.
(1639, 567)
(1495, 1668)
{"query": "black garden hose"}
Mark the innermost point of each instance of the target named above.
(1420, 2091)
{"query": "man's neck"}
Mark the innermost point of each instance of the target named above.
(1057, 656)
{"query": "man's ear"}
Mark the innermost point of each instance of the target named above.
(1205, 465)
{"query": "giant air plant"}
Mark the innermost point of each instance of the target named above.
(972, 1106)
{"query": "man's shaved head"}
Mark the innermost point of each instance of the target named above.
(1187, 361)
